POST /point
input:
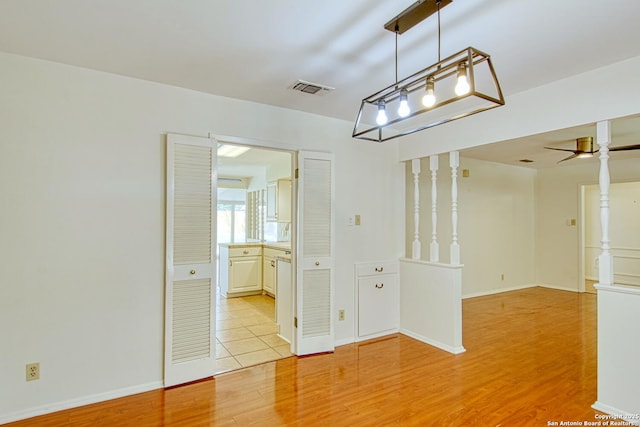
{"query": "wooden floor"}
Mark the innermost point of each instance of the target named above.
(530, 361)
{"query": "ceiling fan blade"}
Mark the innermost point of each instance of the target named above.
(573, 156)
(625, 148)
(561, 149)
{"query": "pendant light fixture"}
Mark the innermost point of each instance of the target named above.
(460, 85)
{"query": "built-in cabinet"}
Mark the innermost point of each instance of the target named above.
(249, 269)
(279, 200)
(378, 297)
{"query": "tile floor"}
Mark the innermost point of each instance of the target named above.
(247, 333)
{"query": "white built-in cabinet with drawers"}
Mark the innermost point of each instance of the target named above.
(378, 299)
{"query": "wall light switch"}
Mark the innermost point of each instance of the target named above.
(357, 219)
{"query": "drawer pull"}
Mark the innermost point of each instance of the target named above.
(192, 272)
(317, 263)
(379, 285)
(245, 252)
(379, 269)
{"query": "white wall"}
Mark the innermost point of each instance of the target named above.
(557, 199)
(495, 222)
(624, 231)
(82, 159)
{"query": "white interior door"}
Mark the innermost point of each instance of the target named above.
(314, 321)
(190, 288)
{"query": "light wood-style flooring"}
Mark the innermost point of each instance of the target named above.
(530, 361)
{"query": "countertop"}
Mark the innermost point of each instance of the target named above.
(272, 245)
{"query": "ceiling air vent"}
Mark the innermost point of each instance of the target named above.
(311, 88)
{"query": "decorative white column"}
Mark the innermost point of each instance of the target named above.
(605, 260)
(454, 162)
(415, 169)
(434, 250)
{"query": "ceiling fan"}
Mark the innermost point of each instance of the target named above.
(584, 148)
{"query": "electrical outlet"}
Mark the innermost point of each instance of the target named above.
(341, 314)
(33, 371)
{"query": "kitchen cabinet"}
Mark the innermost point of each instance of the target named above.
(270, 257)
(378, 297)
(240, 270)
(279, 200)
(284, 200)
(250, 268)
(269, 272)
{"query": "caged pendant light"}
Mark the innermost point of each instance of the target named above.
(458, 86)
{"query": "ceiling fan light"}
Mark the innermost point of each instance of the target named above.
(585, 155)
(429, 98)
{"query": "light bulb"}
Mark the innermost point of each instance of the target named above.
(403, 108)
(462, 87)
(381, 118)
(429, 98)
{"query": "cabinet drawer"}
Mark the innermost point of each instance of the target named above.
(245, 251)
(273, 252)
(376, 268)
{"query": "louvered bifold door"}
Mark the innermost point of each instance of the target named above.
(314, 284)
(190, 276)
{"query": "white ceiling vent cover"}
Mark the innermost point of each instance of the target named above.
(311, 88)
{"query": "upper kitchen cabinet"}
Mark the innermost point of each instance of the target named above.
(279, 200)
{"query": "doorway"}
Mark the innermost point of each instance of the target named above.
(624, 233)
(248, 330)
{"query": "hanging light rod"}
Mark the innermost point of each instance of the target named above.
(413, 15)
(457, 86)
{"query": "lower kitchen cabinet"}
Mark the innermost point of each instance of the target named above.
(249, 269)
(269, 274)
(240, 270)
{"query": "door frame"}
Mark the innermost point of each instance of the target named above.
(293, 152)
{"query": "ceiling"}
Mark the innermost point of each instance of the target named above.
(257, 49)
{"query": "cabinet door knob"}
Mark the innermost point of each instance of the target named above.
(379, 269)
(192, 272)
(317, 263)
(379, 285)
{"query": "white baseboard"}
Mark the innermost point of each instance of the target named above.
(632, 419)
(434, 343)
(344, 341)
(81, 401)
(497, 291)
(377, 335)
(559, 288)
